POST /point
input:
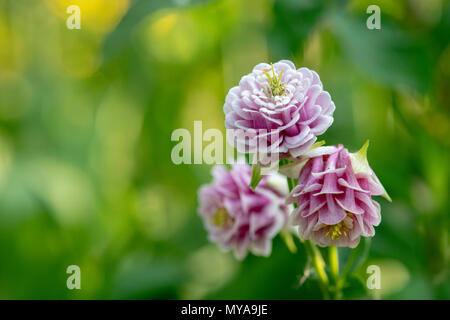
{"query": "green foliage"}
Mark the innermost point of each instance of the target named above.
(86, 118)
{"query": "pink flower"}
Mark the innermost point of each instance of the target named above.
(240, 218)
(334, 194)
(286, 107)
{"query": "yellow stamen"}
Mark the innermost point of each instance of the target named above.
(277, 88)
(221, 218)
(337, 230)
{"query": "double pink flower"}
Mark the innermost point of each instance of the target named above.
(240, 218)
(284, 106)
(334, 196)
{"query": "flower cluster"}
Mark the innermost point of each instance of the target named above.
(333, 195)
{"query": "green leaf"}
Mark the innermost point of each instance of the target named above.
(256, 176)
(357, 257)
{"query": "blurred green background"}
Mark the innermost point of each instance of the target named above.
(86, 118)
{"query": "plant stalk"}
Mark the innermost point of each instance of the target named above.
(334, 267)
(334, 262)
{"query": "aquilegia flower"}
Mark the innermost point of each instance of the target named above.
(286, 107)
(240, 218)
(334, 196)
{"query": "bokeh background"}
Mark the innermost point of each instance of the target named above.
(86, 118)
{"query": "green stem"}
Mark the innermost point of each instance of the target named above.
(334, 262)
(319, 265)
(334, 267)
(314, 253)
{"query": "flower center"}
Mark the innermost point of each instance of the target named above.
(221, 218)
(337, 230)
(277, 88)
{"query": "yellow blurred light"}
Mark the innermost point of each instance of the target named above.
(171, 36)
(97, 16)
(180, 35)
(162, 26)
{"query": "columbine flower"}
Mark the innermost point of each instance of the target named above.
(334, 194)
(286, 107)
(240, 218)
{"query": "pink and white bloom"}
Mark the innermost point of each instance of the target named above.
(334, 196)
(286, 108)
(240, 218)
